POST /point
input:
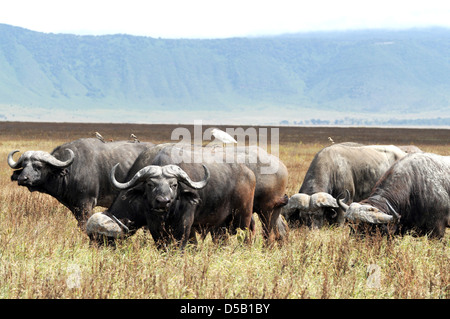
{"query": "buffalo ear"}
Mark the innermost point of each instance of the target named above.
(136, 191)
(63, 172)
(190, 196)
(55, 170)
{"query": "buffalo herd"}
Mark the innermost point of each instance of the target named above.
(372, 187)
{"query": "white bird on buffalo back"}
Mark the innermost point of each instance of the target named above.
(222, 136)
(100, 137)
(134, 138)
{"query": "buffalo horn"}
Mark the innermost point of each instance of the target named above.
(341, 202)
(306, 202)
(50, 159)
(125, 228)
(41, 156)
(361, 213)
(299, 201)
(322, 199)
(183, 177)
(148, 171)
(11, 162)
(394, 213)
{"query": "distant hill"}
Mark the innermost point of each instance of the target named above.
(383, 75)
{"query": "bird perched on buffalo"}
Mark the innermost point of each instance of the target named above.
(100, 137)
(134, 138)
(222, 136)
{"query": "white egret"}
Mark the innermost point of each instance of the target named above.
(100, 137)
(134, 137)
(222, 136)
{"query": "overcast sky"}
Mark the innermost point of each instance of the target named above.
(219, 19)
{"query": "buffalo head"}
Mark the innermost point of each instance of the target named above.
(310, 208)
(368, 214)
(34, 167)
(160, 185)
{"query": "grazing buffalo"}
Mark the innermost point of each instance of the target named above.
(334, 169)
(414, 194)
(164, 197)
(125, 216)
(76, 173)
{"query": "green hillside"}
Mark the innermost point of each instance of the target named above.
(358, 72)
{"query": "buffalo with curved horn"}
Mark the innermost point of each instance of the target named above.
(239, 188)
(310, 206)
(76, 173)
(414, 194)
(160, 184)
(366, 213)
(172, 205)
(152, 171)
(40, 156)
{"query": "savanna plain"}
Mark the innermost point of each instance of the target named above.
(43, 254)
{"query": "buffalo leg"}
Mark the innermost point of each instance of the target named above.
(273, 225)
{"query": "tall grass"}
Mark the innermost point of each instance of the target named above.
(43, 254)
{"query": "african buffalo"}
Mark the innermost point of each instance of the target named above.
(414, 194)
(164, 196)
(334, 169)
(125, 215)
(76, 173)
(271, 182)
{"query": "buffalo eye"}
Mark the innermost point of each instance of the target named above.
(38, 165)
(150, 186)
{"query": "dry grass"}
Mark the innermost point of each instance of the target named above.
(44, 255)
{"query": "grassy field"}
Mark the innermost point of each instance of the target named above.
(43, 254)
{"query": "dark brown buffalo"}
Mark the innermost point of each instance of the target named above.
(125, 216)
(173, 206)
